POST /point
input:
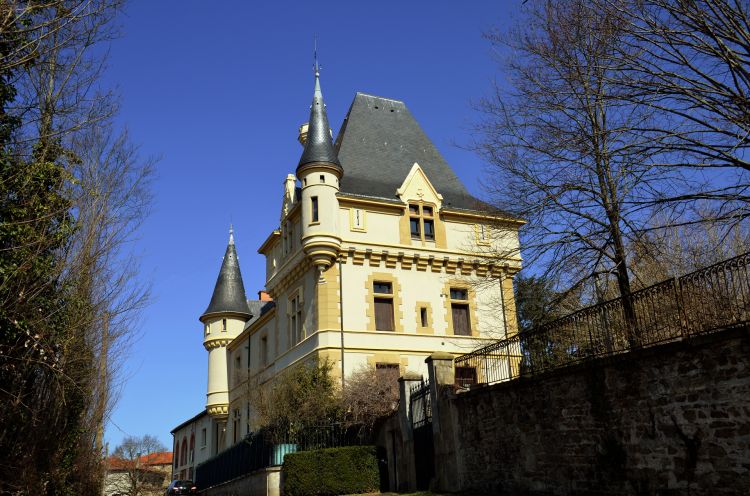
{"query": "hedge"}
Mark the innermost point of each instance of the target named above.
(331, 471)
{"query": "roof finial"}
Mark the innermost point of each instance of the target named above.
(315, 57)
(231, 234)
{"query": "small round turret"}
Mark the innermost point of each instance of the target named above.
(223, 320)
(320, 172)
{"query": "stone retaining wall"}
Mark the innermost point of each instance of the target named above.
(673, 419)
(264, 482)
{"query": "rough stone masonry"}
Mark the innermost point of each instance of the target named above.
(672, 419)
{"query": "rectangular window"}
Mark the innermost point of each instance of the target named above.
(423, 316)
(461, 320)
(421, 222)
(264, 350)
(322, 178)
(384, 314)
(459, 294)
(429, 229)
(382, 288)
(203, 437)
(236, 426)
(314, 200)
(224, 325)
(466, 376)
(295, 320)
(383, 306)
(414, 227)
(390, 371)
(482, 233)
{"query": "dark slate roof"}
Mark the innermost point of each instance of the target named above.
(378, 144)
(318, 147)
(229, 292)
(257, 309)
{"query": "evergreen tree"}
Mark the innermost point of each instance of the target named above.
(44, 365)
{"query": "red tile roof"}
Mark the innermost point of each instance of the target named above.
(160, 458)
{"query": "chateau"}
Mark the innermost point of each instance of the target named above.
(381, 258)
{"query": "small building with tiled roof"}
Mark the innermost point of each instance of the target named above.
(149, 473)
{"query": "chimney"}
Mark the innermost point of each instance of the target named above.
(263, 296)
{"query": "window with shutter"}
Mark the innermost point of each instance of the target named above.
(461, 320)
(460, 311)
(384, 314)
(383, 306)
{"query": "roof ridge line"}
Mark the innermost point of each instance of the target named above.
(380, 97)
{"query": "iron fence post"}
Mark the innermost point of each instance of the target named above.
(678, 303)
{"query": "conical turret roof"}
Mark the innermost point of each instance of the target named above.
(319, 146)
(229, 292)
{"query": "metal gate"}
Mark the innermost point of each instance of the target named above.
(421, 421)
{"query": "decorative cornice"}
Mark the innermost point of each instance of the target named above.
(218, 411)
(212, 343)
(270, 241)
(473, 216)
(424, 262)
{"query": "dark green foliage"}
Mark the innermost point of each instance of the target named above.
(301, 397)
(535, 301)
(45, 363)
(349, 470)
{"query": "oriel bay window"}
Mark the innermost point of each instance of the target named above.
(421, 222)
(383, 306)
(460, 311)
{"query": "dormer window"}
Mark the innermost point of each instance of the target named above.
(421, 222)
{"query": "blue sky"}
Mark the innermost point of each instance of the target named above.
(217, 90)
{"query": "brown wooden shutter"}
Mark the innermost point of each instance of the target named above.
(383, 314)
(461, 322)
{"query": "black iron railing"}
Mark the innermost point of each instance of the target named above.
(713, 298)
(268, 447)
(420, 404)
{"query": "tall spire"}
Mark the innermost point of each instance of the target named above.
(319, 146)
(229, 292)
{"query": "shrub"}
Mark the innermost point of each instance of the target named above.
(348, 470)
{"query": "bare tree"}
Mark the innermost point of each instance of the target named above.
(370, 395)
(128, 472)
(61, 60)
(73, 193)
(296, 399)
(562, 145)
(690, 62)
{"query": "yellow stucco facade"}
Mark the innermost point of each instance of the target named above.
(377, 247)
(381, 277)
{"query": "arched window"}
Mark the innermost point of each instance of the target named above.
(183, 453)
(192, 448)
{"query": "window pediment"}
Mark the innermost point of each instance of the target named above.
(417, 187)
